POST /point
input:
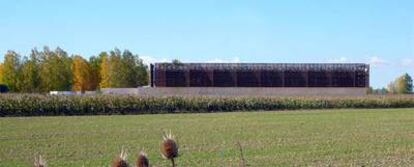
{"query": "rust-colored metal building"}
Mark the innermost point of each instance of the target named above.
(325, 75)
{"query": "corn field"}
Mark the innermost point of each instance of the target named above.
(44, 105)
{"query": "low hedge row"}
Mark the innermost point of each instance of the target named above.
(35, 105)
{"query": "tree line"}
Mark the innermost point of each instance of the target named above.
(56, 70)
(401, 85)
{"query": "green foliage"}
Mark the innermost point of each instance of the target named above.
(104, 71)
(176, 62)
(116, 72)
(1, 73)
(10, 70)
(379, 91)
(29, 105)
(51, 70)
(29, 78)
(55, 70)
(95, 63)
(122, 69)
(401, 85)
(404, 84)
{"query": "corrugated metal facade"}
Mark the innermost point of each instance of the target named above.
(258, 75)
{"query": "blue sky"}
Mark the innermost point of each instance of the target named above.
(379, 32)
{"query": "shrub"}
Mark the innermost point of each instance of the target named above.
(36, 105)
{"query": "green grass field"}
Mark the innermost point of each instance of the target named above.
(377, 137)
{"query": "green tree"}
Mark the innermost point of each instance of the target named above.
(104, 71)
(55, 70)
(403, 84)
(122, 69)
(135, 72)
(176, 62)
(116, 72)
(142, 72)
(29, 79)
(391, 88)
(1, 73)
(95, 78)
(11, 68)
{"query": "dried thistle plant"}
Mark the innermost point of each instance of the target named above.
(142, 160)
(39, 162)
(169, 148)
(120, 161)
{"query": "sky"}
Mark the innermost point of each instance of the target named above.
(377, 32)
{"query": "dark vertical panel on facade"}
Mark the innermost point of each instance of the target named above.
(246, 78)
(210, 74)
(343, 79)
(187, 78)
(271, 78)
(329, 75)
(361, 78)
(318, 79)
(159, 78)
(223, 78)
(175, 78)
(152, 75)
(295, 78)
(200, 78)
(258, 75)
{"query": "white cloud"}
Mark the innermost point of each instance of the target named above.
(339, 60)
(377, 61)
(374, 61)
(149, 59)
(218, 60)
(407, 62)
(343, 59)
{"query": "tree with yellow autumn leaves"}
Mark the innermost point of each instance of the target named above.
(54, 70)
(81, 74)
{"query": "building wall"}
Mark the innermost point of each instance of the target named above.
(237, 91)
(259, 75)
(120, 90)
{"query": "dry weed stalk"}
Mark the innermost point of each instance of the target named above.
(242, 160)
(39, 162)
